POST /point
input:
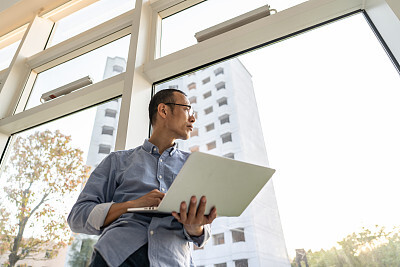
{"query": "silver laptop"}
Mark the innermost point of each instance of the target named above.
(229, 185)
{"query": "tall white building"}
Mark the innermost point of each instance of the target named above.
(105, 125)
(228, 125)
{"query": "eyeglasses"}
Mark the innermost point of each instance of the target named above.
(189, 110)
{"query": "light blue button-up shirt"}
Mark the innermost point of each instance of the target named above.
(127, 175)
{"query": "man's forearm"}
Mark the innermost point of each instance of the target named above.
(151, 199)
(115, 211)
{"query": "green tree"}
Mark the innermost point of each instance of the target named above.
(43, 171)
(370, 247)
(81, 251)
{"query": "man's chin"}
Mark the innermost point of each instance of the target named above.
(184, 137)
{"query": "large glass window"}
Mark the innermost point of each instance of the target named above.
(324, 105)
(45, 170)
(7, 53)
(99, 64)
(88, 17)
(335, 140)
(178, 30)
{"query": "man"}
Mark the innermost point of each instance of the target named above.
(140, 177)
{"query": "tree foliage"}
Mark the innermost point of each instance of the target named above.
(42, 172)
(371, 248)
(81, 251)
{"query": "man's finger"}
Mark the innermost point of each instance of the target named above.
(176, 216)
(202, 208)
(183, 212)
(192, 207)
(214, 213)
(211, 217)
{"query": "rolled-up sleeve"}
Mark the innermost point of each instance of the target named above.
(90, 210)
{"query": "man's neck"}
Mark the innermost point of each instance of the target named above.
(161, 142)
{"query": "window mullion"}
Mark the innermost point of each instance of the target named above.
(133, 121)
(19, 73)
(77, 100)
(18, 79)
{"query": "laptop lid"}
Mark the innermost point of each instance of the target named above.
(228, 184)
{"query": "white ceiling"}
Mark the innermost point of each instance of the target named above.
(15, 13)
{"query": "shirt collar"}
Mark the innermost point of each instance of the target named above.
(149, 147)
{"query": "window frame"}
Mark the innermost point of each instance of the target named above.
(145, 19)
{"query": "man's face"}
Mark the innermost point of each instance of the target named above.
(179, 122)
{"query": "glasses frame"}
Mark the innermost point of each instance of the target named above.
(190, 111)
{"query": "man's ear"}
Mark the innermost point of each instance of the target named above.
(162, 110)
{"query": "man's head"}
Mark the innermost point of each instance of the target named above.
(170, 109)
(163, 96)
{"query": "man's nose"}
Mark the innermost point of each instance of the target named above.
(192, 118)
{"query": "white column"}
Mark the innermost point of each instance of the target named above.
(133, 122)
(19, 74)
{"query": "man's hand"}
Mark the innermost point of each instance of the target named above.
(151, 199)
(194, 219)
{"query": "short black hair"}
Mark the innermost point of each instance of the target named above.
(163, 96)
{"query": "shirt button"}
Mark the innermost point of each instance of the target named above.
(151, 232)
(163, 189)
(160, 160)
(160, 176)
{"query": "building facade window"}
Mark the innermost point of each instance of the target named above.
(195, 132)
(118, 68)
(104, 149)
(207, 95)
(206, 80)
(222, 101)
(230, 156)
(108, 130)
(224, 119)
(238, 235)
(194, 149)
(112, 113)
(191, 86)
(220, 85)
(220, 264)
(210, 127)
(193, 100)
(226, 137)
(218, 239)
(241, 263)
(219, 71)
(208, 110)
(211, 145)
